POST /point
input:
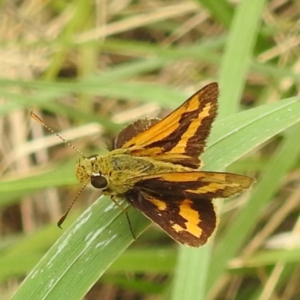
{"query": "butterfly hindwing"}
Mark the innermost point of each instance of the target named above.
(188, 221)
(181, 202)
(180, 137)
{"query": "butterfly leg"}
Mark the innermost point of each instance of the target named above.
(114, 199)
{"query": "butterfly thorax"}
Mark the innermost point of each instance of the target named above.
(119, 171)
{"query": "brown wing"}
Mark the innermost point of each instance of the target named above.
(189, 221)
(180, 203)
(205, 184)
(133, 130)
(180, 137)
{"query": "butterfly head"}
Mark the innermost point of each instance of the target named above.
(90, 168)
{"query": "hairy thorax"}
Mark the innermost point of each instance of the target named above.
(122, 170)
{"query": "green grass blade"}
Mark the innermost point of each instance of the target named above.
(82, 254)
(278, 165)
(191, 273)
(238, 52)
(221, 10)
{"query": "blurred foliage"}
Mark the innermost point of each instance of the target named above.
(87, 68)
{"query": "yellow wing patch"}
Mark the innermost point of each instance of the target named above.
(192, 218)
(180, 137)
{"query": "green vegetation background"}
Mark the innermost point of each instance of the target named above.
(88, 68)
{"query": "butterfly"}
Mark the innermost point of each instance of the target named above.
(155, 165)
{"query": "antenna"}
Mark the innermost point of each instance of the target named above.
(38, 119)
(35, 117)
(63, 217)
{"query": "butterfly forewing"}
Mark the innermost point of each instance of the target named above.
(133, 130)
(180, 137)
(207, 184)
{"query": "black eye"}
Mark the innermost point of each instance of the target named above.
(99, 182)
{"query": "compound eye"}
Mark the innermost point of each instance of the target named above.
(99, 181)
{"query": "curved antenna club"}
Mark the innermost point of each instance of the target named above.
(64, 216)
(38, 119)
